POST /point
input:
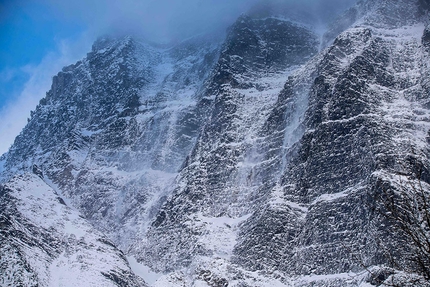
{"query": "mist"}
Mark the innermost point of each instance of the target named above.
(172, 20)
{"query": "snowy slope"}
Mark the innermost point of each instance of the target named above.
(47, 243)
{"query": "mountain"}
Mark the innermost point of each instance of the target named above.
(47, 243)
(265, 158)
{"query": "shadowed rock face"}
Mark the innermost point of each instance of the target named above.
(211, 161)
(215, 181)
(426, 37)
(362, 112)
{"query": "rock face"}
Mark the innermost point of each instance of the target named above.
(366, 121)
(217, 180)
(257, 161)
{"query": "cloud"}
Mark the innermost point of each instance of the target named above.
(158, 20)
(165, 20)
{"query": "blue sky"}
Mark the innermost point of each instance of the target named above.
(39, 37)
(29, 31)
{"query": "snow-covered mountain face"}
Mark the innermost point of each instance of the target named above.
(44, 242)
(256, 160)
(115, 128)
(112, 133)
(222, 177)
